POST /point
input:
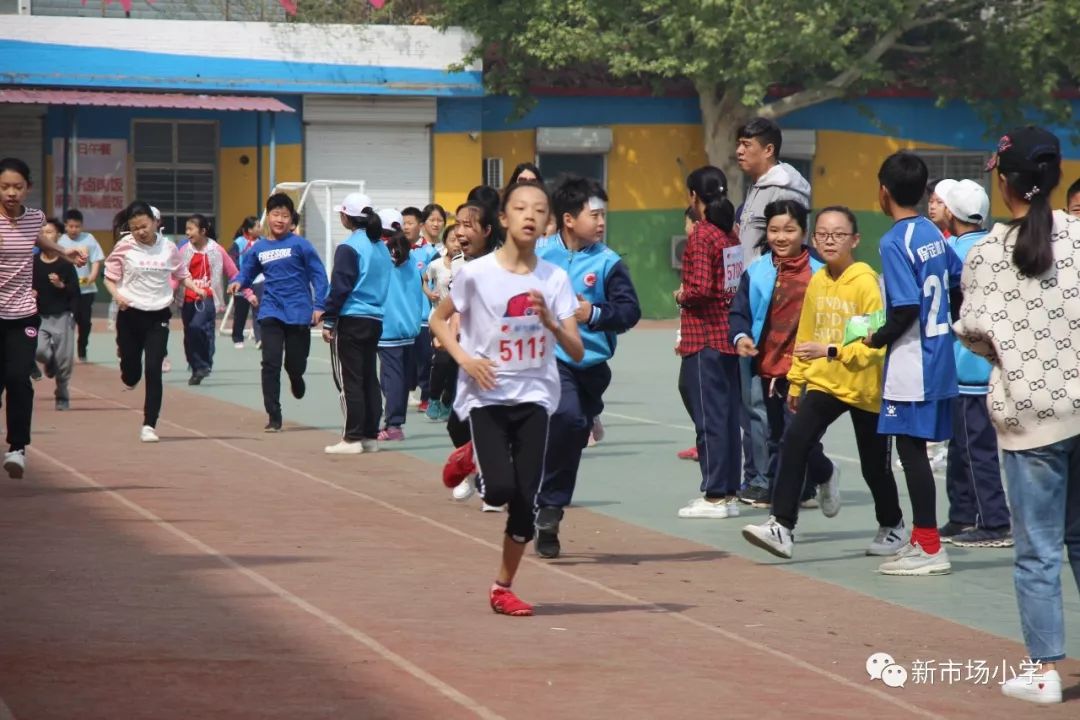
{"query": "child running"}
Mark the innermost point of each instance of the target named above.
(353, 323)
(439, 275)
(243, 241)
(514, 308)
(138, 274)
(608, 305)
(764, 321)
(208, 264)
(88, 274)
(56, 285)
(402, 308)
(827, 379)
(294, 296)
(920, 272)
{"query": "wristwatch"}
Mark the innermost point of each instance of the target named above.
(832, 352)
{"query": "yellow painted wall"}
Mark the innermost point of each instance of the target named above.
(643, 165)
(513, 146)
(237, 183)
(457, 167)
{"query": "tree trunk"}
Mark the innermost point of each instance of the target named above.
(722, 114)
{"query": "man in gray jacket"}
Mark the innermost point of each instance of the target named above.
(758, 155)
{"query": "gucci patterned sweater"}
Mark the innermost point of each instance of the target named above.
(1029, 329)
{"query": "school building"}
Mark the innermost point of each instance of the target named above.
(206, 115)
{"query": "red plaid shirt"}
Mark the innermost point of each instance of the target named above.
(712, 266)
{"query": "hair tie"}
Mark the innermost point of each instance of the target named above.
(1032, 193)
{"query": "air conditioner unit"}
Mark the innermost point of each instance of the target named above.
(493, 172)
(678, 247)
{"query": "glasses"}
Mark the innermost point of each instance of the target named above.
(837, 236)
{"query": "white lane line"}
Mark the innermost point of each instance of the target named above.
(341, 626)
(734, 637)
(5, 711)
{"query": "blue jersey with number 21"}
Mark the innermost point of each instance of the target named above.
(919, 268)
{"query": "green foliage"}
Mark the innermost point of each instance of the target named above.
(359, 12)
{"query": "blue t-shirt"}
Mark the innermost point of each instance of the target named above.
(919, 268)
(296, 283)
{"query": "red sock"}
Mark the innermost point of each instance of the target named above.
(926, 538)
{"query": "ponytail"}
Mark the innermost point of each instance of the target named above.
(399, 247)
(247, 226)
(710, 185)
(122, 218)
(1033, 254)
(368, 221)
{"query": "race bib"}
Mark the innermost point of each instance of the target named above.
(520, 344)
(733, 267)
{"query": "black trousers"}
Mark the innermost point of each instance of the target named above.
(18, 346)
(139, 333)
(280, 341)
(443, 377)
(509, 442)
(354, 351)
(419, 368)
(817, 411)
(83, 322)
(920, 481)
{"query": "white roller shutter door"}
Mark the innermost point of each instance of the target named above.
(385, 143)
(21, 137)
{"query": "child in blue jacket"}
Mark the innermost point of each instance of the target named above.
(608, 306)
(294, 297)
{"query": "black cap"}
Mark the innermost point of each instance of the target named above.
(1022, 149)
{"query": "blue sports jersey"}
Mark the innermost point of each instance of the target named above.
(919, 268)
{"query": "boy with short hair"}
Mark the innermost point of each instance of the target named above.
(978, 512)
(608, 306)
(88, 274)
(920, 272)
(56, 285)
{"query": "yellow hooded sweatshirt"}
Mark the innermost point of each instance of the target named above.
(855, 376)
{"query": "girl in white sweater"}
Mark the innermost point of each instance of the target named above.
(1021, 311)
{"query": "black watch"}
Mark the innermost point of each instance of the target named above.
(832, 352)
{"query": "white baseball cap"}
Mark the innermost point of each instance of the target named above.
(390, 217)
(354, 204)
(966, 200)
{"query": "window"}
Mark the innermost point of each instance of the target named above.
(493, 172)
(957, 166)
(587, 165)
(176, 170)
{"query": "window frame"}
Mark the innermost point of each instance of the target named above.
(174, 165)
(946, 154)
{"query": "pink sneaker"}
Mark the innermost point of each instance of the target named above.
(390, 434)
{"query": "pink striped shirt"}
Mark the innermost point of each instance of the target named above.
(17, 241)
(144, 273)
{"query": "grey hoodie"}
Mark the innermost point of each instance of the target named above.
(782, 182)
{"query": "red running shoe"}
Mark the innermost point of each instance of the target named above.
(422, 407)
(689, 454)
(505, 602)
(459, 466)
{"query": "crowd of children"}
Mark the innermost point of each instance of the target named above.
(506, 322)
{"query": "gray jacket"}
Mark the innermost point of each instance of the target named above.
(782, 182)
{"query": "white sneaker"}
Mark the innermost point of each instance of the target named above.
(597, 431)
(344, 448)
(239, 345)
(414, 400)
(464, 490)
(889, 541)
(913, 560)
(703, 509)
(166, 366)
(1044, 689)
(492, 508)
(828, 494)
(370, 446)
(771, 536)
(147, 434)
(939, 455)
(732, 507)
(15, 464)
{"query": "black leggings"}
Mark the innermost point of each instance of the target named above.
(510, 442)
(18, 346)
(443, 377)
(817, 411)
(139, 333)
(920, 480)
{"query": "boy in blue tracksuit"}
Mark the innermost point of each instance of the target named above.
(978, 512)
(294, 297)
(404, 304)
(608, 306)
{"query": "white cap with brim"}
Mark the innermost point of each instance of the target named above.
(966, 200)
(390, 217)
(354, 204)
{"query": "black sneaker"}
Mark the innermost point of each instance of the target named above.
(951, 529)
(274, 426)
(195, 379)
(35, 374)
(984, 538)
(298, 387)
(547, 519)
(547, 544)
(755, 496)
(63, 405)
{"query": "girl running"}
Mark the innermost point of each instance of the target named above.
(828, 379)
(353, 323)
(764, 320)
(20, 231)
(56, 285)
(138, 272)
(209, 265)
(514, 307)
(243, 241)
(404, 304)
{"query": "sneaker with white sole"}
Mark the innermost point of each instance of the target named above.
(889, 541)
(148, 434)
(344, 448)
(772, 537)
(238, 346)
(828, 494)
(700, 508)
(492, 508)
(1043, 689)
(15, 463)
(464, 490)
(370, 446)
(913, 560)
(598, 432)
(732, 507)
